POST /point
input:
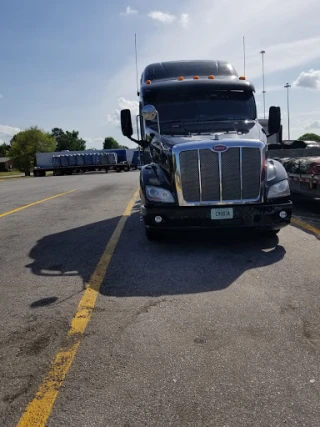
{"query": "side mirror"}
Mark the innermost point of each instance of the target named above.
(126, 123)
(274, 123)
(149, 112)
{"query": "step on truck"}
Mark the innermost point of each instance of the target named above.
(209, 167)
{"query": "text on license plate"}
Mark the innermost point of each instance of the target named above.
(222, 213)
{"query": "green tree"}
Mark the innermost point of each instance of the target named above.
(3, 149)
(310, 137)
(110, 143)
(25, 145)
(68, 140)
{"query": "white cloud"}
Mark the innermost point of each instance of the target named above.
(129, 11)
(308, 79)
(163, 17)
(132, 105)
(114, 118)
(123, 103)
(96, 143)
(313, 125)
(7, 132)
(184, 20)
(167, 18)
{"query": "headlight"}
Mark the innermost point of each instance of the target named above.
(281, 189)
(157, 194)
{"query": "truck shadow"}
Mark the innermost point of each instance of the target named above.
(74, 252)
(187, 263)
(179, 264)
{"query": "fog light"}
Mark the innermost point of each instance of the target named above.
(283, 214)
(158, 219)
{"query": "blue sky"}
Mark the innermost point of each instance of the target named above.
(71, 64)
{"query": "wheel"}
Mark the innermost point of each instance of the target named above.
(126, 168)
(118, 169)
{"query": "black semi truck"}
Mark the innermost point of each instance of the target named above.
(209, 165)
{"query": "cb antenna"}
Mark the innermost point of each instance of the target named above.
(244, 56)
(136, 51)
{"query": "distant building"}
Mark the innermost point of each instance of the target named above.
(6, 164)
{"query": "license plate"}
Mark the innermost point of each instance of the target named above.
(222, 213)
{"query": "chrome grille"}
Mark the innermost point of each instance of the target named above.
(233, 176)
(190, 173)
(251, 172)
(231, 172)
(209, 175)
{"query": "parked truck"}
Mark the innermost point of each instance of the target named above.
(69, 162)
(301, 159)
(209, 164)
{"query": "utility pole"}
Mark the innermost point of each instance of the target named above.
(287, 86)
(263, 88)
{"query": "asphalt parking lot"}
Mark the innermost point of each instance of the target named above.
(100, 327)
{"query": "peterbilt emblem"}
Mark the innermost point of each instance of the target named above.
(219, 148)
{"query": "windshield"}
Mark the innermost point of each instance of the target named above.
(213, 105)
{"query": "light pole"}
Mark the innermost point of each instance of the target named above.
(287, 86)
(263, 88)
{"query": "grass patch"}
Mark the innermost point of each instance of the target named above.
(11, 173)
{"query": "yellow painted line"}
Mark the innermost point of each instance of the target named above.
(306, 226)
(39, 409)
(34, 203)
